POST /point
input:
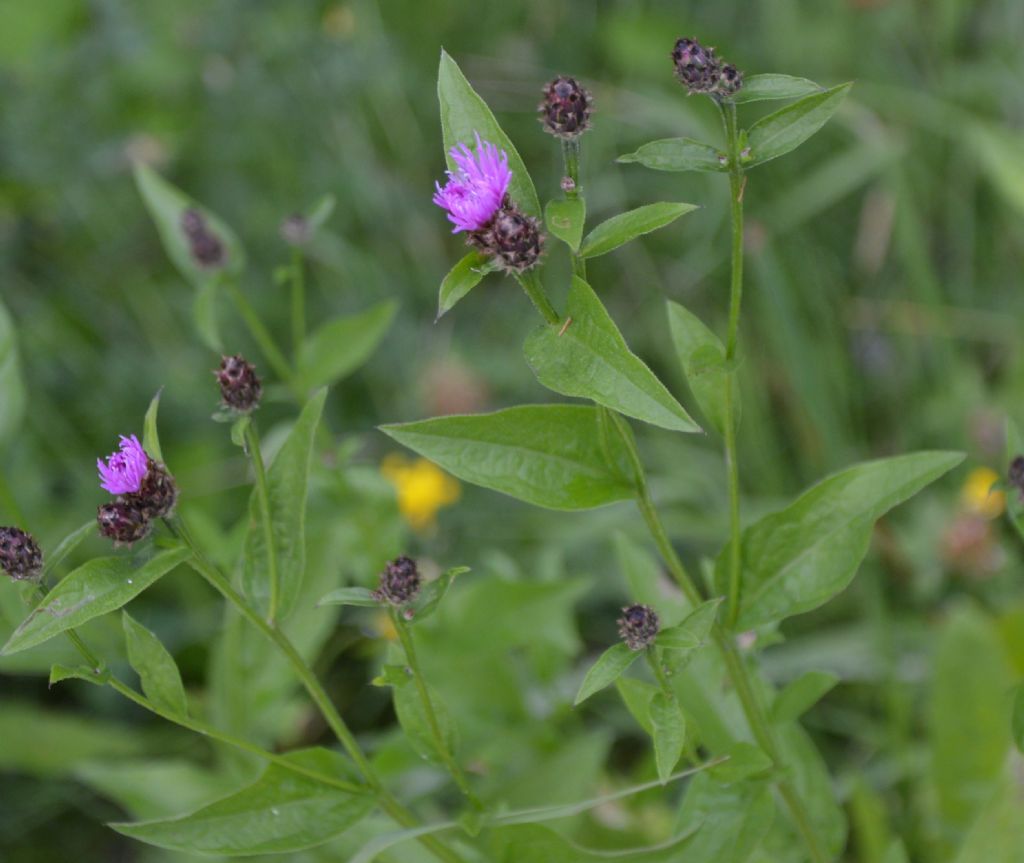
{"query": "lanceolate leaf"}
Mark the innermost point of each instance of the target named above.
(101, 585)
(461, 279)
(702, 357)
(668, 728)
(547, 455)
(341, 346)
(624, 227)
(279, 813)
(287, 480)
(161, 680)
(359, 596)
(150, 435)
(565, 220)
(693, 631)
(588, 358)
(799, 558)
(609, 666)
(463, 114)
(166, 204)
(731, 820)
(789, 127)
(801, 695)
(678, 154)
(761, 88)
(412, 715)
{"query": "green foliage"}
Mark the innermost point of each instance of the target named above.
(339, 347)
(608, 668)
(801, 695)
(620, 229)
(668, 728)
(678, 154)
(157, 670)
(702, 357)
(461, 279)
(760, 88)
(12, 390)
(787, 128)
(565, 219)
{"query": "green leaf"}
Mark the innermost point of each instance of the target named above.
(101, 585)
(150, 435)
(204, 315)
(319, 212)
(745, 760)
(609, 666)
(668, 728)
(801, 695)
(763, 88)
(693, 631)
(435, 591)
(547, 455)
(12, 389)
(359, 596)
(565, 219)
(532, 843)
(637, 696)
(799, 558)
(59, 672)
(702, 357)
(281, 812)
(590, 359)
(413, 717)
(1017, 718)
(161, 680)
(624, 227)
(287, 481)
(678, 154)
(732, 820)
(463, 114)
(68, 545)
(239, 427)
(166, 204)
(341, 346)
(786, 129)
(461, 279)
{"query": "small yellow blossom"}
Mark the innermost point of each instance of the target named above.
(422, 488)
(977, 495)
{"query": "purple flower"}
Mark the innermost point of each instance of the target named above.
(124, 471)
(475, 191)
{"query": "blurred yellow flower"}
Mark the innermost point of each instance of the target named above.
(977, 495)
(422, 488)
(384, 626)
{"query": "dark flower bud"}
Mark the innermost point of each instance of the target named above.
(565, 111)
(1016, 474)
(240, 388)
(123, 522)
(638, 626)
(206, 248)
(399, 582)
(295, 230)
(730, 79)
(20, 556)
(697, 68)
(512, 237)
(157, 494)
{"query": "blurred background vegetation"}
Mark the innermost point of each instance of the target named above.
(883, 313)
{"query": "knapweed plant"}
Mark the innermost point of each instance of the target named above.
(723, 741)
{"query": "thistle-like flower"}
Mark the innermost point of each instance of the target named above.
(476, 189)
(124, 471)
(638, 626)
(565, 111)
(399, 582)
(20, 556)
(697, 68)
(123, 522)
(240, 388)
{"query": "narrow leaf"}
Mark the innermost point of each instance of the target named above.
(461, 279)
(694, 629)
(12, 387)
(150, 435)
(589, 358)
(157, 670)
(637, 696)
(801, 695)
(287, 481)
(668, 728)
(205, 315)
(359, 596)
(342, 345)
(412, 715)
(434, 592)
(610, 664)
(702, 357)
(281, 812)
(565, 219)
(799, 558)
(97, 677)
(463, 114)
(101, 585)
(624, 227)
(678, 154)
(745, 760)
(67, 545)
(788, 128)
(547, 455)
(763, 88)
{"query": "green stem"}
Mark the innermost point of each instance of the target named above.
(298, 274)
(654, 661)
(571, 158)
(531, 283)
(405, 636)
(263, 498)
(736, 185)
(260, 334)
(312, 686)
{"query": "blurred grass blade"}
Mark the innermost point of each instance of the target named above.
(12, 389)
(342, 345)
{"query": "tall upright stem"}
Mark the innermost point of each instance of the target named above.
(736, 184)
(261, 335)
(531, 283)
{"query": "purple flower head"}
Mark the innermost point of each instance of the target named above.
(474, 191)
(124, 471)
